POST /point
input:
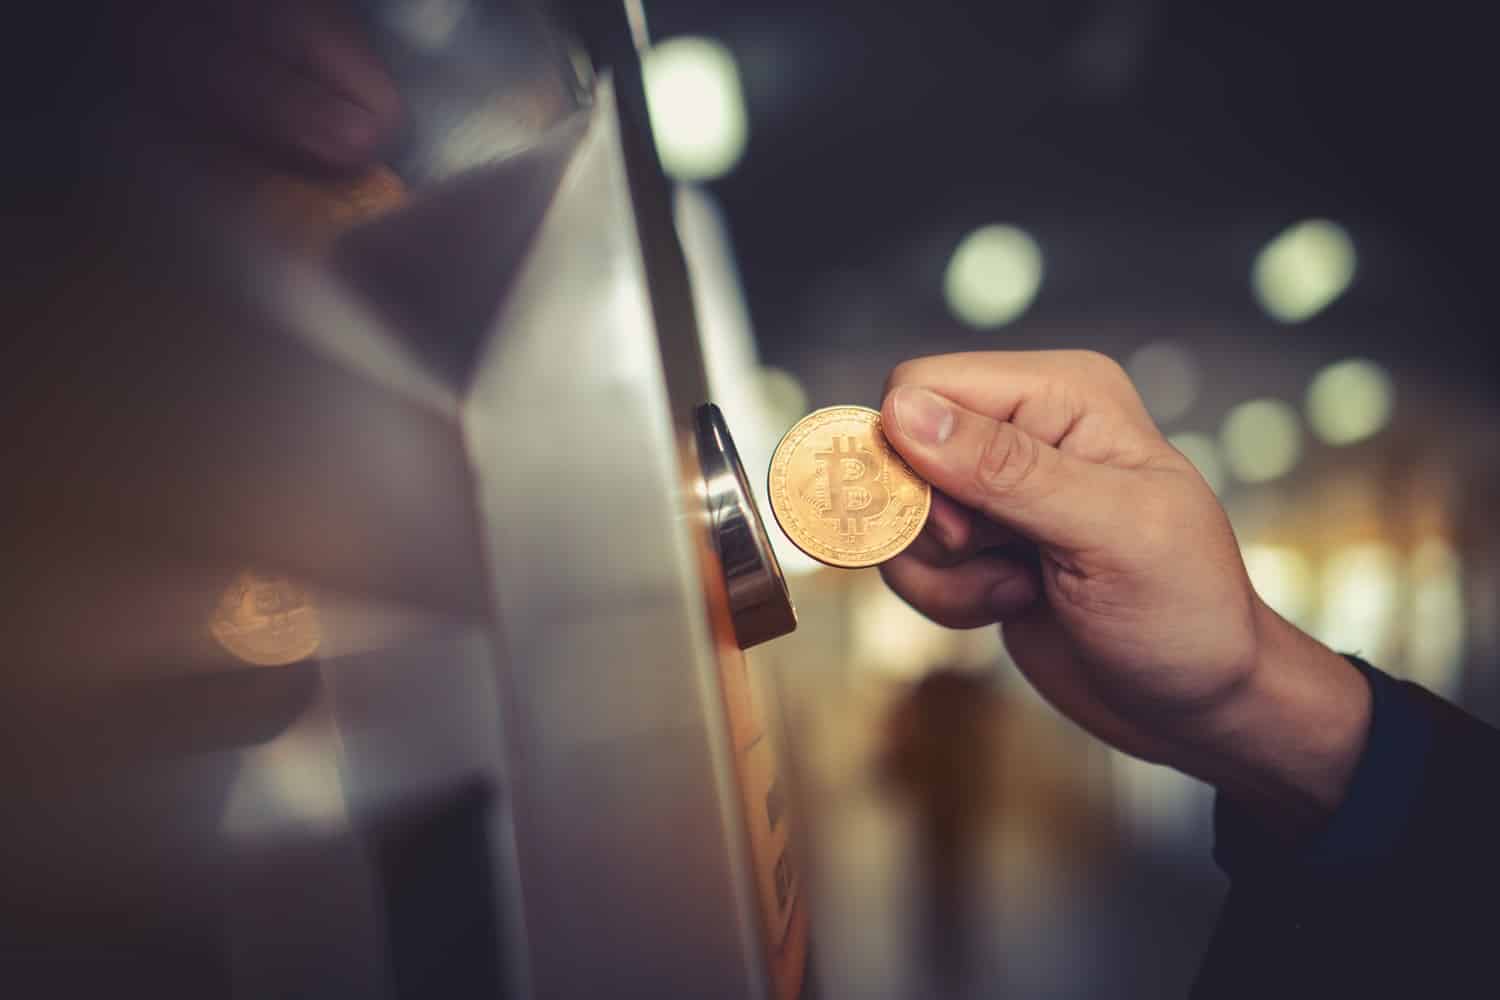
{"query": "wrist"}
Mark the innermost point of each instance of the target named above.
(1285, 746)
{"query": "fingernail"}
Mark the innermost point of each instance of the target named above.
(923, 416)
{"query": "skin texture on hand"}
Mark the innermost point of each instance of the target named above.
(296, 79)
(1113, 572)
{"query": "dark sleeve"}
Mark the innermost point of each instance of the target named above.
(1394, 896)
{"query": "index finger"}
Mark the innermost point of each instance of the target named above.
(1076, 401)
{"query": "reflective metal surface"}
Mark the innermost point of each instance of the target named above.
(758, 599)
(365, 632)
(480, 79)
(632, 864)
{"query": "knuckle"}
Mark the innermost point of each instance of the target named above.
(1006, 459)
(1102, 367)
(1062, 399)
(1109, 381)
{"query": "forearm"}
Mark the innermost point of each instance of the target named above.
(1380, 898)
(1284, 748)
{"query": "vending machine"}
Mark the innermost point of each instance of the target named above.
(383, 580)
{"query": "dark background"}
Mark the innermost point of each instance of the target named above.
(1151, 146)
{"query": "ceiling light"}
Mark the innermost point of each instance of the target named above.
(697, 107)
(1261, 440)
(993, 276)
(1303, 269)
(1349, 401)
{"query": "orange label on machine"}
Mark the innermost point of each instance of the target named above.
(765, 805)
(765, 809)
(765, 800)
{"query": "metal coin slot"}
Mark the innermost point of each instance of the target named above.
(759, 603)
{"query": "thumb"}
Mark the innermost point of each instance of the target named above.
(1003, 472)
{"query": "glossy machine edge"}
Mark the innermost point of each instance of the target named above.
(758, 598)
(635, 870)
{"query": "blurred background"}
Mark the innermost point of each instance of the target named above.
(1278, 218)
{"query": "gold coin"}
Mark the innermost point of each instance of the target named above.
(266, 619)
(840, 491)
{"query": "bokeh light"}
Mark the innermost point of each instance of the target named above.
(697, 107)
(1349, 401)
(1435, 640)
(1160, 804)
(1166, 376)
(784, 397)
(288, 783)
(1361, 593)
(1261, 440)
(427, 25)
(891, 637)
(1201, 450)
(1284, 579)
(993, 276)
(1303, 269)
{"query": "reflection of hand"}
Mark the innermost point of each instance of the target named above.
(294, 78)
(1115, 574)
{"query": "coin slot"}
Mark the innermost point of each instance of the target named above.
(759, 603)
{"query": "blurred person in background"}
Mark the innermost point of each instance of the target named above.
(943, 755)
(1352, 816)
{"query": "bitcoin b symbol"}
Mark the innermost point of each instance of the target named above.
(854, 488)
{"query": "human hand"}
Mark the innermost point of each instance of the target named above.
(293, 78)
(1115, 575)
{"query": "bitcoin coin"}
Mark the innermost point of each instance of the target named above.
(266, 619)
(841, 493)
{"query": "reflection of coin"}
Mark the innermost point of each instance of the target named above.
(841, 493)
(310, 212)
(266, 619)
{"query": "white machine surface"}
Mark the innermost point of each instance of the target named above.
(379, 616)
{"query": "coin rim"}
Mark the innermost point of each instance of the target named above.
(791, 537)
